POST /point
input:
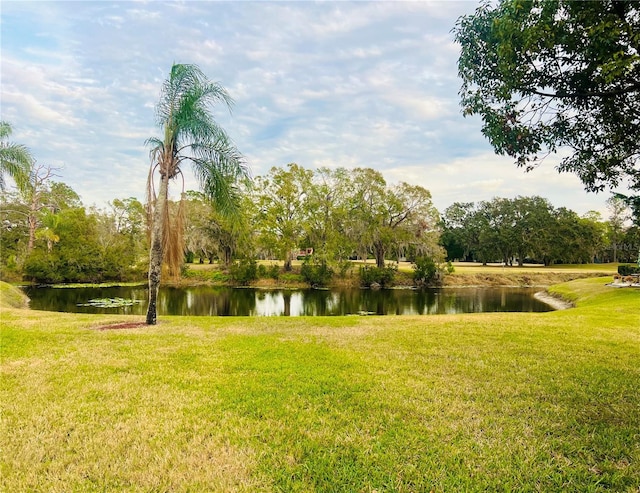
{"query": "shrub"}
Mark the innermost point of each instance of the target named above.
(316, 274)
(244, 271)
(272, 271)
(425, 271)
(376, 275)
(41, 268)
(290, 277)
(628, 269)
(344, 266)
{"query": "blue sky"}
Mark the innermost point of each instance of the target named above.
(337, 84)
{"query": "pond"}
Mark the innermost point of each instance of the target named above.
(210, 301)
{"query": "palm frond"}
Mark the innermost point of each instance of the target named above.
(196, 126)
(155, 143)
(218, 167)
(156, 152)
(15, 160)
(185, 89)
(217, 187)
(5, 129)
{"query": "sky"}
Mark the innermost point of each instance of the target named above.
(335, 84)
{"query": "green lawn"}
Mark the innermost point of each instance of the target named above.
(479, 402)
(474, 268)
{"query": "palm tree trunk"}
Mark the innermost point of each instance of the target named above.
(156, 252)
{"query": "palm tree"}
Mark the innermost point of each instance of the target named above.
(191, 135)
(15, 159)
(50, 221)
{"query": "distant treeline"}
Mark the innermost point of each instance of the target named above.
(331, 215)
(530, 229)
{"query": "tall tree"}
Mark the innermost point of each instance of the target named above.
(232, 237)
(128, 216)
(190, 135)
(390, 218)
(326, 213)
(498, 238)
(122, 233)
(633, 202)
(549, 74)
(411, 223)
(37, 194)
(281, 199)
(367, 211)
(209, 234)
(618, 215)
(532, 217)
(198, 218)
(15, 159)
(462, 225)
(35, 209)
(630, 245)
(593, 235)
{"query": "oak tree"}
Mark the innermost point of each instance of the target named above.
(549, 76)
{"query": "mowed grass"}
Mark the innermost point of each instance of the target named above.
(478, 402)
(475, 268)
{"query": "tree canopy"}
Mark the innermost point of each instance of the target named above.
(549, 76)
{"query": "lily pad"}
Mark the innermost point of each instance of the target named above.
(110, 302)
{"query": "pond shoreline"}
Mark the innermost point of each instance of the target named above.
(554, 302)
(503, 279)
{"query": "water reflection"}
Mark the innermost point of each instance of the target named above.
(204, 300)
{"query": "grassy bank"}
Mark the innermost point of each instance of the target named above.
(474, 274)
(478, 402)
(10, 297)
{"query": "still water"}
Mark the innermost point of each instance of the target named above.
(205, 300)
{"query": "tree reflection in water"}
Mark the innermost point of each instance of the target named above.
(219, 301)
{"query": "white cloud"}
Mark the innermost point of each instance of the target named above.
(143, 15)
(420, 106)
(322, 84)
(485, 176)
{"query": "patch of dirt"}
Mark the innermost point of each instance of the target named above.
(123, 325)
